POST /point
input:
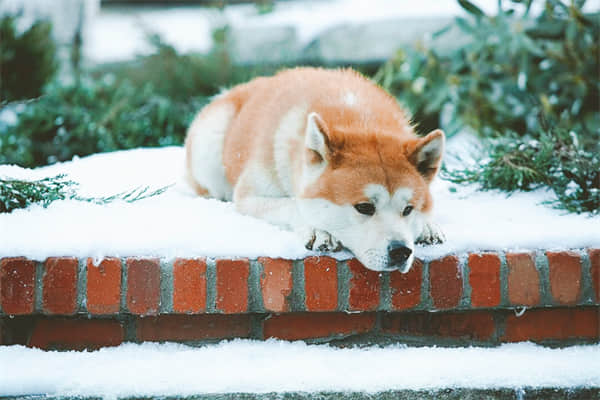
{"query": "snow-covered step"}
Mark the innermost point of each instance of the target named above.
(243, 366)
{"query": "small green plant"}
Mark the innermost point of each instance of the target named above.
(17, 193)
(27, 60)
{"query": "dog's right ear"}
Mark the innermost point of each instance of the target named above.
(427, 152)
(316, 140)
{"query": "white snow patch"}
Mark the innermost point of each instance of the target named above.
(169, 369)
(179, 224)
(350, 99)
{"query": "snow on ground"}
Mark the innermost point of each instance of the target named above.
(275, 366)
(179, 224)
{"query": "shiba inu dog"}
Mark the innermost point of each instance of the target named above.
(325, 153)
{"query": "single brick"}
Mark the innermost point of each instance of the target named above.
(365, 286)
(320, 283)
(484, 278)
(232, 285)
(565, 276)
(445, 282)
(143, 286)
(17, 285)
(76, 334)
(276, 283)
(60, 285)
(406, 288)
(193, 327)
(189, 285)
(104, 286)
(297, 326)
(595, 271)
(471, 325)
(553, 324)
(523, 279)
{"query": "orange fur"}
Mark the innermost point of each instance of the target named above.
(362, 138)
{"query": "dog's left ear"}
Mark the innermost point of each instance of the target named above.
(316, 140)
(427, 154)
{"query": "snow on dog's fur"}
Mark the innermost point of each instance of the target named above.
(325, 153)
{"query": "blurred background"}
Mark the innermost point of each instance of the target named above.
(84, 76)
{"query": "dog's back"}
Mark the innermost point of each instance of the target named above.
(247, 123)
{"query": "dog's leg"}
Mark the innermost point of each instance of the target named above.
(431, 234)
(283, 212)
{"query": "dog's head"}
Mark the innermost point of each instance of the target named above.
(370, 190)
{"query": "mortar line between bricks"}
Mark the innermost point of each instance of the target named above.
(129, 324)
(504, 300)
(500, 321)
(385, 297)
(298, 297)
(587, 291)
(541, 264)
(465, 269)
(123, 297)
(426, 299)
(211, 285)
(38, 291)
(256, 326)
(81, 285)
(343, 286)
(255, 299)
(166, 287)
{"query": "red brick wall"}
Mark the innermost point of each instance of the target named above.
(474, 297)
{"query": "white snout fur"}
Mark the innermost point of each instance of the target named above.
(368, 237)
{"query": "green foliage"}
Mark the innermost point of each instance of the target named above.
(511, 72)
(27, 60)
(94, 116)
(182, 76)
(521, 83)
(146, 103)
(16, 193)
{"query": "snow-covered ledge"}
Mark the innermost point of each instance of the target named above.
(178, 267)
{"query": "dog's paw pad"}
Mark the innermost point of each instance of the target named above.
(432, 234)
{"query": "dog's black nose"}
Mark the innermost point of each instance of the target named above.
(398, 253)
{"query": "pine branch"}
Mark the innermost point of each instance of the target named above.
(557, 161)
(16, 193)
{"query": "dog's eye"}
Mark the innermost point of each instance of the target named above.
(407, 211)
(365, 208)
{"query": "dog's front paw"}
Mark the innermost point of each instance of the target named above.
(316, 239)
(432, 234)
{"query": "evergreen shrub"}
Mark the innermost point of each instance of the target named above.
(529, 86)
